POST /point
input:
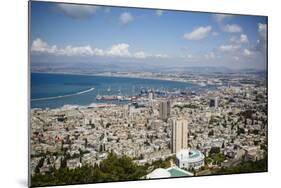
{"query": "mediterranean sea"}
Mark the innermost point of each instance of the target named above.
(56, 90)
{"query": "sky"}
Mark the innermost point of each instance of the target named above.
(71, 33)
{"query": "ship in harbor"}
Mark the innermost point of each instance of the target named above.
(145, 93)
(113, 98)
(106, 97)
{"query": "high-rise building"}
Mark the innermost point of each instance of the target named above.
(150, 95)
(164, 110)
(214, 102)
(179, 139)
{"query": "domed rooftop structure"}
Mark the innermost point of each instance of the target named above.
(187, 158)
(159, 173)
(191, 155)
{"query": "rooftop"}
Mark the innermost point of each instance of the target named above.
(159, 173)
(177, 172)
(191, 155)
(173, 171)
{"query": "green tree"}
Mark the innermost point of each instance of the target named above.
(215, 150)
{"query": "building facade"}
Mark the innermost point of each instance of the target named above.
(164, 110)
(214, 102)
(179, 139)
(190, 159)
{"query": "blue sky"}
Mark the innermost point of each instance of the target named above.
(82, 33)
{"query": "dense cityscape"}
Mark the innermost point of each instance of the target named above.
(198, 133)
(122, 93)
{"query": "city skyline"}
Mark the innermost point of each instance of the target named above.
(119, 94)
(71, 33)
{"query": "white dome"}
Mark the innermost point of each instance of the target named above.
(190, 155)
(159, 173)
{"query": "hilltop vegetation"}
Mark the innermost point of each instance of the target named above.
(114, 168)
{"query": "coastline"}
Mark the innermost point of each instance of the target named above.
(63, 96)
(115, 76)
(94, 104)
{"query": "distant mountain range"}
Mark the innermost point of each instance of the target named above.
(88, 68)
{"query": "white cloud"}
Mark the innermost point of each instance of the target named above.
(242, 39)
(140, 55)
(159, 12)
(262, 29)
(42, 47)
(126, 17)
(229, 47)
(98, 52)
(199, 33)
(247, 52)
(119, 50)
(79, 51)
(208, 57)
(238, 48)
(262, 41)
(161, 56)
(38, 46)
(221, 17)
(232, 28)
(77, 11)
